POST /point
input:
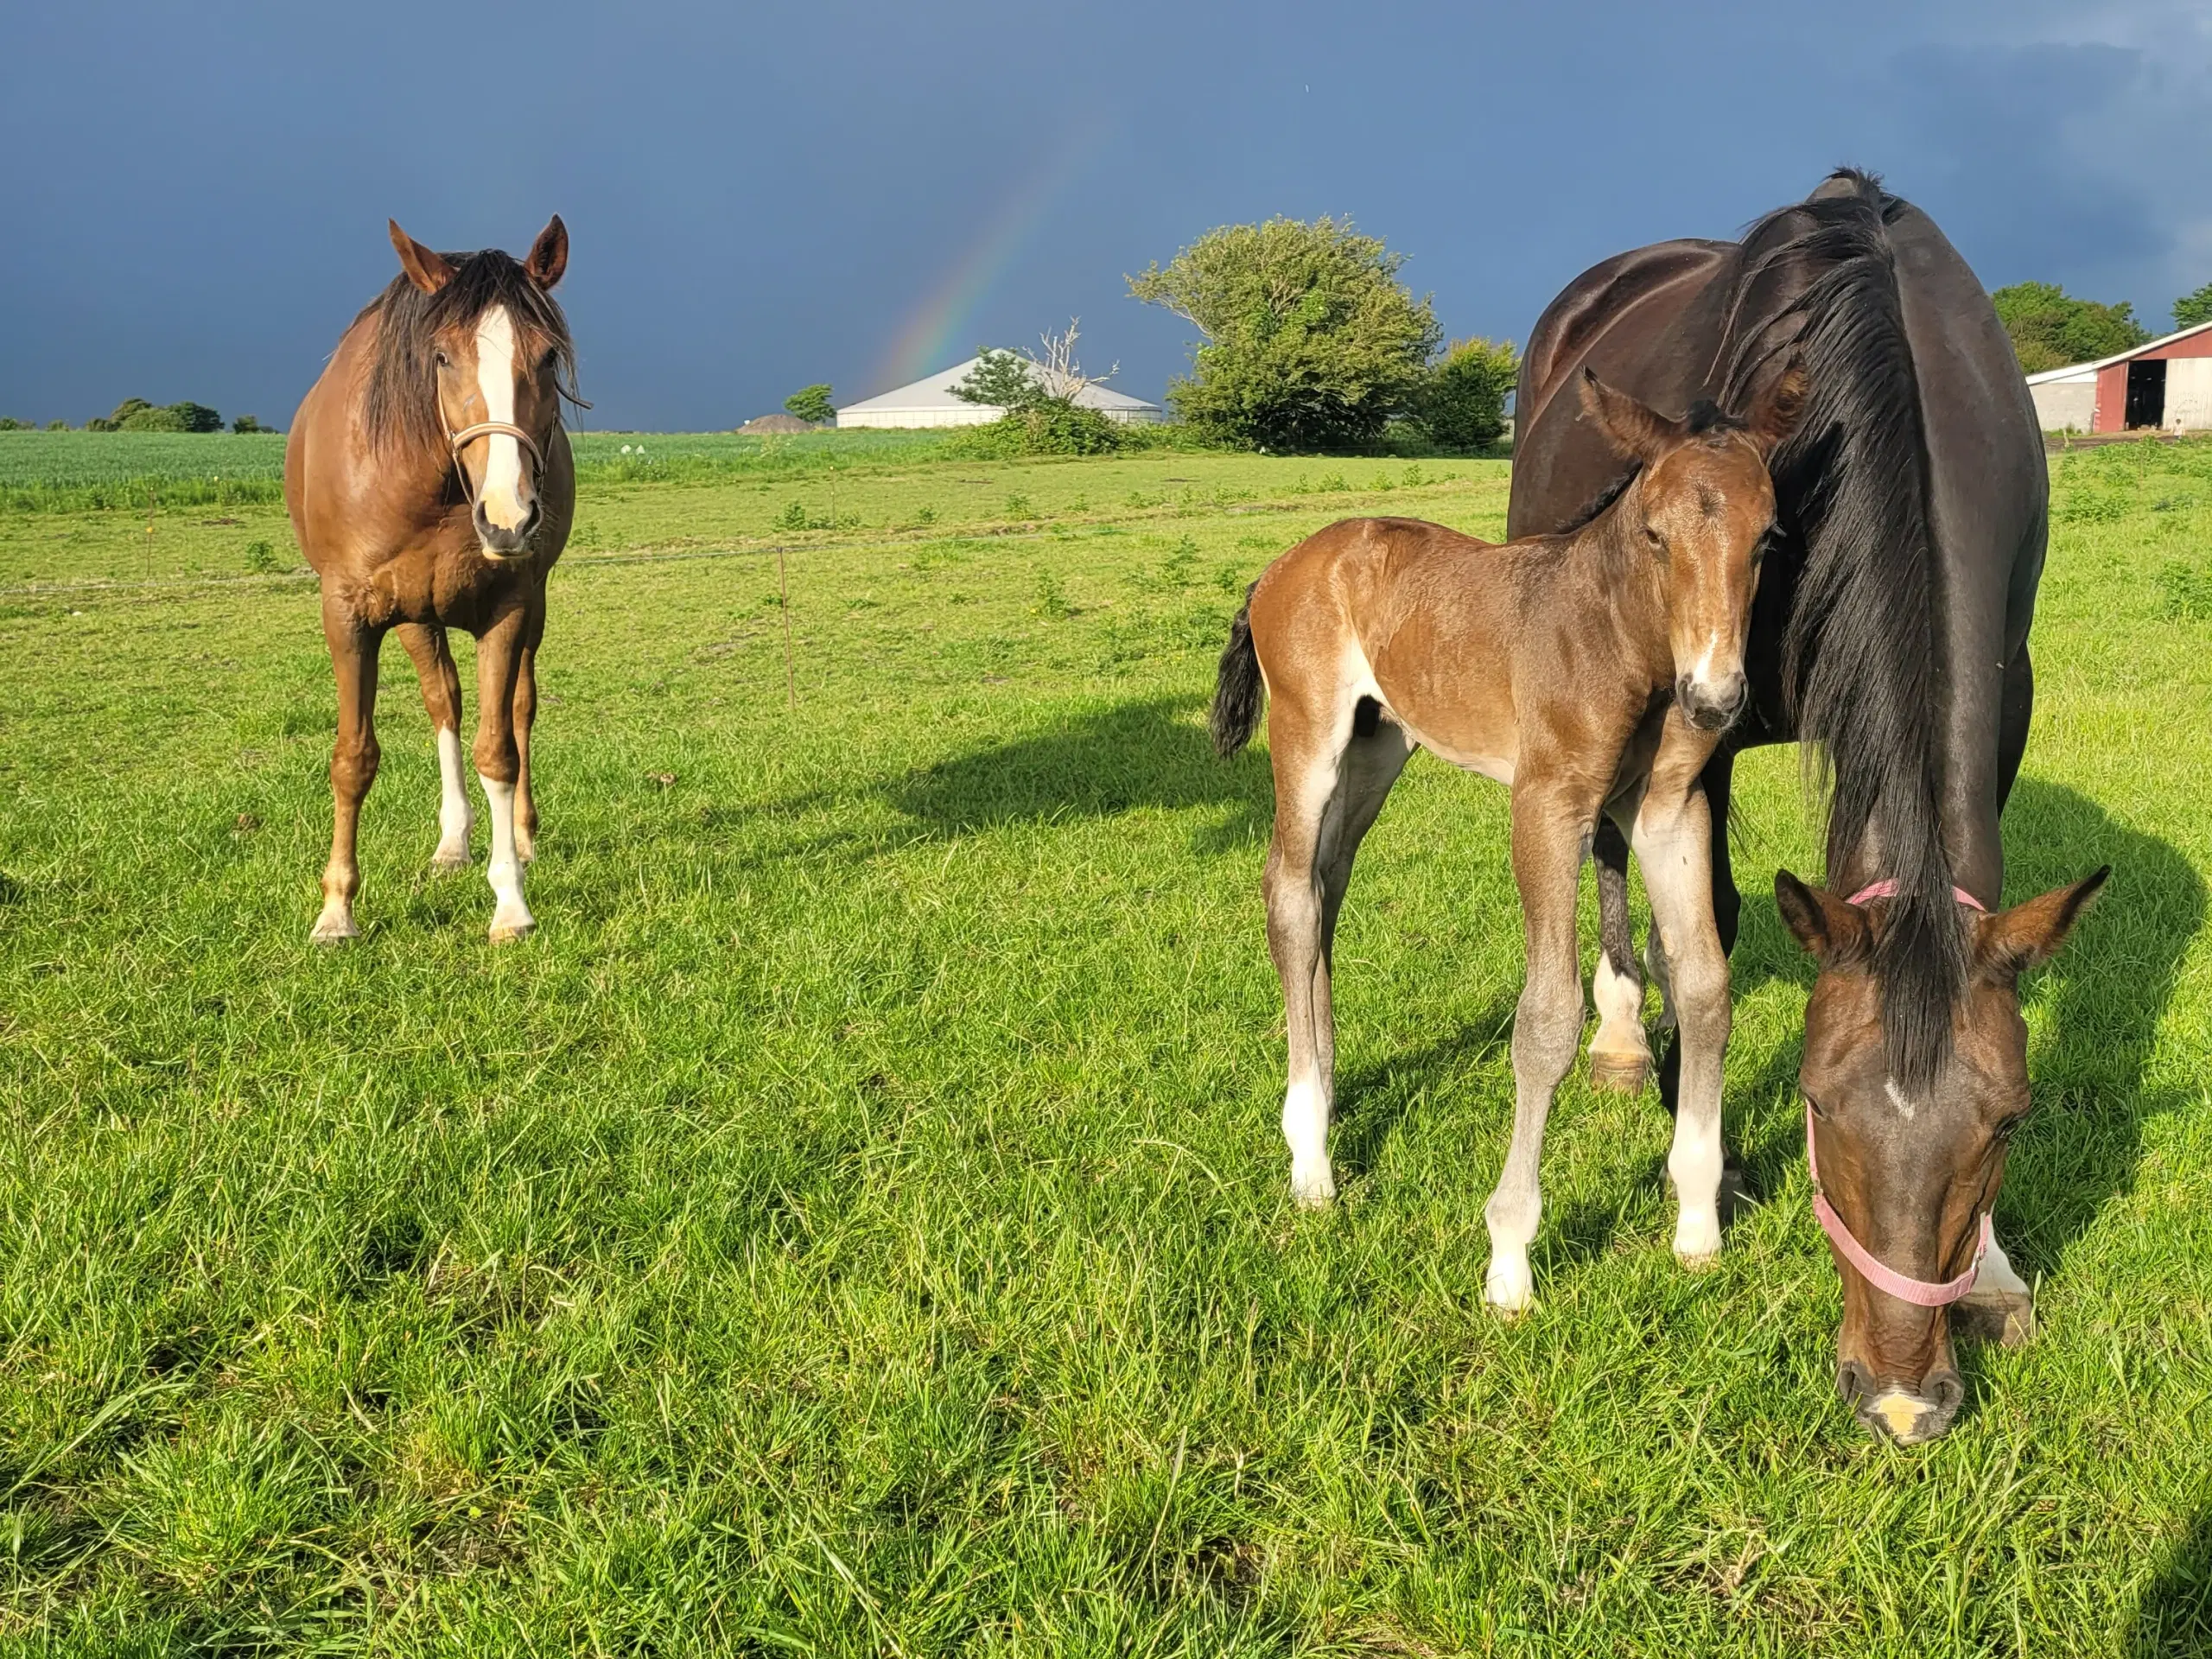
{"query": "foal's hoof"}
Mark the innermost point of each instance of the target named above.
(1313, 1189)
(507, 932)
(333, 928)
(2006, 1316)
(1621, 1074)
(1508, 1289)
(444, 862)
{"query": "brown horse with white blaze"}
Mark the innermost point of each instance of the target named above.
(432, 486)
(1592, 672)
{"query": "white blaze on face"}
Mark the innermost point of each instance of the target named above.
(501, 494)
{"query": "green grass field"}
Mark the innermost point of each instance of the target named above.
(857, 1222)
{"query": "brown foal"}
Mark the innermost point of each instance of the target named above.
(432, 486)
(1593, 672)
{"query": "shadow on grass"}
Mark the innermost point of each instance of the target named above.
(1373, 1098)
(1155, 752)
(2174, 1619)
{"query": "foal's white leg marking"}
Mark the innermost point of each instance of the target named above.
(456, 820)
(511, 919)
(1620, 1046)
(1306, 1126)
(1674, 853)
(501, 495)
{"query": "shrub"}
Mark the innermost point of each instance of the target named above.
(1050, 428)
(9, 423)
(1461, 400)
(247, 424)
(57, 426)
(812, 405)
(1311, 341)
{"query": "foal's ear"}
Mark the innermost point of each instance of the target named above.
(1773, 416)
(1638, 431)
(549, 255)
(2008, 943)
(1834, 929)
(428, 271)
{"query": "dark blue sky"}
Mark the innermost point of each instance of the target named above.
(759, 196)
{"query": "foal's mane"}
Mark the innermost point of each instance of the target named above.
(1861, 664)
(401, 406)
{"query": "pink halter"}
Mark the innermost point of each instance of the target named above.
(1919, 1291)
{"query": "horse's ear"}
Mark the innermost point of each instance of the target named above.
(1638, 431)
(1834, 929)
(1773, 416)
(549, 255)
(2008, 943)
(428, 271)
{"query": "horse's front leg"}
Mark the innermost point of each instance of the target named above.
(1549, 827)
(498, 766)
(1673, 836)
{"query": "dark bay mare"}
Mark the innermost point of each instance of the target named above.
(1890, 628)
(432, 486)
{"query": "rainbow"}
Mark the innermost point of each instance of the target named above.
(940, 332)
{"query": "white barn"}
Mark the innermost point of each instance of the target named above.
(930, 402)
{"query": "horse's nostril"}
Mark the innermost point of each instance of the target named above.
(1945, 1390)
(1852, 1381)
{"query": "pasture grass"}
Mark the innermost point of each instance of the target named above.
(857, 1224)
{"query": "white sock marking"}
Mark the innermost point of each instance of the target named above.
(1306, 1126)
(511, 919)
(455, 819)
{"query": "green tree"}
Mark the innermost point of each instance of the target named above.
(999, 379)
(2051, 328)
(1311, 341)
(812, 405)
(1461, 401)
(247, 424)
(2193, 308)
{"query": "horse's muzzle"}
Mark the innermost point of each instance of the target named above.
(1712, 706)
(498, 541)
(1902, 1415)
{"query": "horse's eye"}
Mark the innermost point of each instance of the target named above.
(545, 363)
(2003, 1131)
(1815, 1105)
(444, 362)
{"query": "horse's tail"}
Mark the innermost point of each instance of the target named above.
(1240, 692)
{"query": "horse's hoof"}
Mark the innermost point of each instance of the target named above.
(333, 930)
(1313, 1192)
(2007, 1317)
(1621, 1074)
(1696, 1260)
(508, 932)
(1510, 1291)
(444, 863)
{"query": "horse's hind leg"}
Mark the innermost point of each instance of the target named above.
(1307, 747)
(440, 681)
(1620, 1055)
(1548, 830)
(525, 716)
(354, 759)
(1369, 766)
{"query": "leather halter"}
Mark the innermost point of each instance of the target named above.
(457, 441)
(1921, 1293)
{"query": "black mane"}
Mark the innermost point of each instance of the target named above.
(1862, 658)
(401, 406)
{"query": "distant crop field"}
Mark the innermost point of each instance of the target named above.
(77, 472)
(857, 1222)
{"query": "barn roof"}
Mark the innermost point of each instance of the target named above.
(2086, 371)
(935, 392)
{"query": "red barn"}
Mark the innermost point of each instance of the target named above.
(2163, 385)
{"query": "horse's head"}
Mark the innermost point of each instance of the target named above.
(1910, 1174)
(1700, 509)
(497, 348)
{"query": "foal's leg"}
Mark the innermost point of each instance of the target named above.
(1548, 825)
(1674, 842)
(1620, 1057)
(525, 716)
(353, 766)
(1371, 765)
(499, 764)
(1306, 747)
(441, 680)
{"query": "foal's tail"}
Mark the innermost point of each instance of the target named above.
(1240, 692)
